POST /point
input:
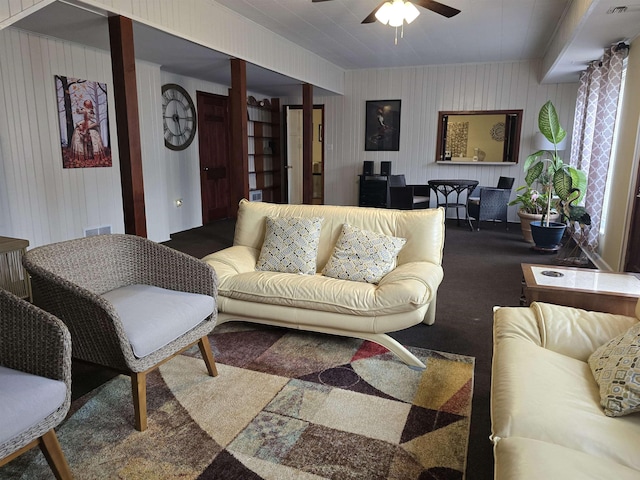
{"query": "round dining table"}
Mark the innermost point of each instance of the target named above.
(451, 191)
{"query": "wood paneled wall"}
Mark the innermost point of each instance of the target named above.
(213, 25)
(424, 91)
(43, 202)
(13, 10)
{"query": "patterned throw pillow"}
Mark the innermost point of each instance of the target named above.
(363, 256)
(290, 245)
(616, 368)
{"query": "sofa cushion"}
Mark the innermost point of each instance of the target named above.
(25, 400)
(362, 255)
(616, 368)
(290, 245)
(544, 395)
(153, 317)
(527, 459)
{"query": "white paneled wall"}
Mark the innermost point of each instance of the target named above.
(424, 91)
(183, 167)
(43, 202)
(213, 25)
(13, 10)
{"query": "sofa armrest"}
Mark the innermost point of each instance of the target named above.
(232, 261)
(516, 322)
(569, 331)
(575, 332)
(426, 274)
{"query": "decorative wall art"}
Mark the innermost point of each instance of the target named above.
(84, 122)
(382, 127)
(457, 138)
(497, 132)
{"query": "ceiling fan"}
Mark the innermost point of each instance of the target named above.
(436, 7)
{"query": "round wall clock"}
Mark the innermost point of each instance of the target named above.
(179, 117)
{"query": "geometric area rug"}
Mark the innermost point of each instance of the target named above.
(286, 405)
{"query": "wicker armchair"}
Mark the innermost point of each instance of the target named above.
(130, 303)
(35, 379)
(491, 204)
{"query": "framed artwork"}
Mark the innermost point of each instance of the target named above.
(382, 127)
(84, 122)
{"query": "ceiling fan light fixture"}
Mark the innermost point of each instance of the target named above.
(410, 12)
(396, 13)
(384, 13)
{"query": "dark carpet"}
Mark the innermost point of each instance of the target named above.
(481, 270)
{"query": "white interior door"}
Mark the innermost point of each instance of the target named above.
(294, 155)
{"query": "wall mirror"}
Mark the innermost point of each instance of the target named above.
(479, 137)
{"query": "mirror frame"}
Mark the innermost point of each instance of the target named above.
(513, 129)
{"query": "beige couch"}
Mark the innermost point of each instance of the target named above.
(547, 421)
(404, 297)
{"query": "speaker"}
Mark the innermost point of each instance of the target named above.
(367, 167)
(385, 168)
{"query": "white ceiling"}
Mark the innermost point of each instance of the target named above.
(484, 31)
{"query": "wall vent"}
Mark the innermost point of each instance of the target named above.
(104, 230)
(616, 10)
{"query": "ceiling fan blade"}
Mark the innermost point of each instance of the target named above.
(372, 16)
(437, 7)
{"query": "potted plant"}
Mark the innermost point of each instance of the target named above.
(563, 185)
(532, 203)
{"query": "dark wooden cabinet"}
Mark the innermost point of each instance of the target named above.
(373, 191)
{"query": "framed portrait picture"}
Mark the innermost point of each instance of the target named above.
(382, 127)
(84, 122)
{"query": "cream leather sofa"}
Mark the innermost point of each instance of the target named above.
(404, 297)
(547, 421)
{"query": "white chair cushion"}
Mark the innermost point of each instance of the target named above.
(26, 400)
(153, 317)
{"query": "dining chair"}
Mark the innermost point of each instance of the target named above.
(489, 203)
(130, 304)
(35, 381)
(407, 197)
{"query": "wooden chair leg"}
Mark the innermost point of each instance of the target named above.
(55, 457)
(139, 391)
(207, 356)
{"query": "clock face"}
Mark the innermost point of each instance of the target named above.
(179, 117)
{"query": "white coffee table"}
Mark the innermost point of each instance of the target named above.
(584, 288)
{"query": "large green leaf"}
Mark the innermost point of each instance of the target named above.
(549, 124)
(531, 159)
(533, 173)
(562, 184)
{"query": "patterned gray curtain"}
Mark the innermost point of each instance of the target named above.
(593, 129)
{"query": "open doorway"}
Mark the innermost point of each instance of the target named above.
(293, 155)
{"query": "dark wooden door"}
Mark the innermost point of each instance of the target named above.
(213, 125)
(632, 263)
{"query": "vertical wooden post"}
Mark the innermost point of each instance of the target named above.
(123, 64)
(307, 143)
(239, 175)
